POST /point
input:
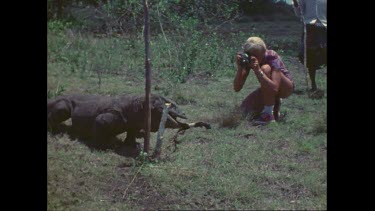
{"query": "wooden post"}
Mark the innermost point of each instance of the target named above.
(160, 137)
(148, 77)
(305, 55)
(304, 44)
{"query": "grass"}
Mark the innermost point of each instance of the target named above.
(232, 166)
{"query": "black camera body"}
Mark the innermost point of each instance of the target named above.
(245, 59)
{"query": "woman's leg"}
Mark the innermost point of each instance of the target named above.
(276, 108)
(282, 87)
(253, 103)
(268, 91)
(286, 86)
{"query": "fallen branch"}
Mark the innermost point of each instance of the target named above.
(174, 139)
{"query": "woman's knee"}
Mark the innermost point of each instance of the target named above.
(266, 68)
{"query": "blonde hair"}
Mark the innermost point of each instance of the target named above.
(254, 43)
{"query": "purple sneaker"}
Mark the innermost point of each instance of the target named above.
(264, 119)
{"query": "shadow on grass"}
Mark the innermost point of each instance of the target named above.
(114, 144)
(233, 118)
(299, 91)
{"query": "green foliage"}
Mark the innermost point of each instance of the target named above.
(125, 15)
(58, 25)
(284, 46)
(197, 54)
(206, 11)
(189, 55)
(176, 56)
(143, 159)
(266, 8)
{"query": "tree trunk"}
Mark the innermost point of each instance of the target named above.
(148, 77)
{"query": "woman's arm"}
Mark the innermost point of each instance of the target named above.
(269, 77)
(241, 75)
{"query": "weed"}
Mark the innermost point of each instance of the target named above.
(231, 119)
(58, 25)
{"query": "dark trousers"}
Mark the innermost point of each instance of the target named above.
(316, 43)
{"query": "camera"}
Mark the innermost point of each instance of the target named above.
(245, 59)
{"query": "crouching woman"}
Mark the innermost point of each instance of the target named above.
(275, 81)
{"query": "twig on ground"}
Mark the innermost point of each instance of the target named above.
(123, 196)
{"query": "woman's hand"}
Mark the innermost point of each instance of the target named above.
(238, 62)
(238, 59)
(241, 75)
(254, 64)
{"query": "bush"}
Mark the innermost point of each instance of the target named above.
(58, 25)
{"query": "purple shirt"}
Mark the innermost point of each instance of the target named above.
(274, 60)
